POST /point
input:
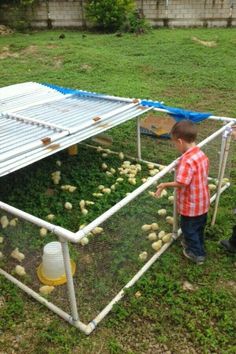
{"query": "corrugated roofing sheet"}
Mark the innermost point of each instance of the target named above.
(37, 121)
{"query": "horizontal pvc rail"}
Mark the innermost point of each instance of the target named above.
(57, 230)
(146, 266)
(80, 325)
(83, 232)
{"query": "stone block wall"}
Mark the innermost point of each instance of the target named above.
(169, 13)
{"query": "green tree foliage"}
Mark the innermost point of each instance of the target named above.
(109, 15)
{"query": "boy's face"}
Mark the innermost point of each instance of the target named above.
(179, 144)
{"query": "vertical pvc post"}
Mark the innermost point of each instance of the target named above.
(226, 137)
(175, 212)
(138, 140)
(70, 283)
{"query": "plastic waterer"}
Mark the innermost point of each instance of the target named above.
(52, 270)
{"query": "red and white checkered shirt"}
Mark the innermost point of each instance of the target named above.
(192, 170)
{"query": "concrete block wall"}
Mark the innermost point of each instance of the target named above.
(171, 13)
(185, 13)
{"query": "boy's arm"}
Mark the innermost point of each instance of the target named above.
(162, 186)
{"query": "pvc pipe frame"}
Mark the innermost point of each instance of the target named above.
(226, 138)
(65, 235)
(87, 329)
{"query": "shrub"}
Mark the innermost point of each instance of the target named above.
(109, 15)
(136, 23)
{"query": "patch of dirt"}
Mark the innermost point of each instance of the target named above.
(205, 43)
(32, 49)
(85, 67)
(141, 338)
(4, 30)
(6, 53)
(58, 63)
(229, 285)
(52, 46)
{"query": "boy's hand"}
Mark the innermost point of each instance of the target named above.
(160, 188)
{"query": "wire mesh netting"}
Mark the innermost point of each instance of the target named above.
(74, 190)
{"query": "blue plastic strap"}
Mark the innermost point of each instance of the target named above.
(67, 91)
(177, 113)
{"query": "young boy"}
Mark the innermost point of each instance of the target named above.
(193, 198)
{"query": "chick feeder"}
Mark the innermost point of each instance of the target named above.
(52, 270)
(38, 120)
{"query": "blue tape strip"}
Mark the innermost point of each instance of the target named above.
(177, 113)
(67, 91)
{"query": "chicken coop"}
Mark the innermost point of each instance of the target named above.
(89, 196)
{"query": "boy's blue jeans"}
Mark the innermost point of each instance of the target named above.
(193, 232)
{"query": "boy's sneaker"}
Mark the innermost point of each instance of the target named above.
(193, 258)
(227, 246)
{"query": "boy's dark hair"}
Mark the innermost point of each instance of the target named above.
(185, 129)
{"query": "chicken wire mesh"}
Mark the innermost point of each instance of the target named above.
(76, 190)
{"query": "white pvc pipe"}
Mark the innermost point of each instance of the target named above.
(69, 277)
(45, 302)
(57, 230)
(175, 211)
(138, 140)
(224, 157)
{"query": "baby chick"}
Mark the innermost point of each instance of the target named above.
(17, 255)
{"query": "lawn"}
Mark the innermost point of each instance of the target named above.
(157, 315)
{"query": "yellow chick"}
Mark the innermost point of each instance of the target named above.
(97, 230)
(43, 232)
(4, 221)
(162, 212)
(84, 241)
(68, 206)
(152, 236)
(46, 289)
(20, 270)
(157, 245)
(170, 220)
(50, 217)
(143, 256)
(167, 238)
(13, 222)
(146, 227)
(17, 255)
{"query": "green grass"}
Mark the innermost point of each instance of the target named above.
(164, 65)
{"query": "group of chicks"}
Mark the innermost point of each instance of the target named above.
(19, 256)
(158, 239)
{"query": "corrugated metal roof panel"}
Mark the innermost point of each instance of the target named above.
(37, 121)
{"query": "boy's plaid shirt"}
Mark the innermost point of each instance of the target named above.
(194, 198)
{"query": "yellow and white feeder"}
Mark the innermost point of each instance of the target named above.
(52, 271)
